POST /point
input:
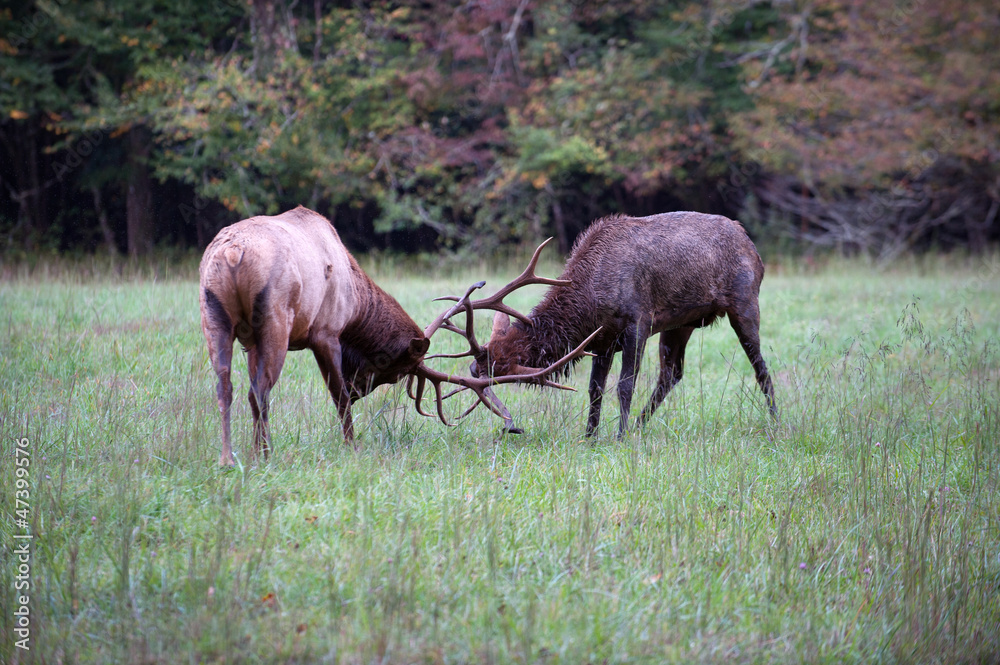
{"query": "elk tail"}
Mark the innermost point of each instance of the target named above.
(234, 255)
(249, 272)
(228, 294)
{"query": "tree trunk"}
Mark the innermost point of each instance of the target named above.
(36, 202)
(139, 197)
(319, 31)
(978, 231)
(102, 221)
(560, 223)
(24, 150)
(265, 32)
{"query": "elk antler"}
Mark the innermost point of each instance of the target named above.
(481, 386)
(495, 301)
(444, 321)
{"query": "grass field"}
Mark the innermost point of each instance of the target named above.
(864, 527)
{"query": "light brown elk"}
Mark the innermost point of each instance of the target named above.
(632, 278)
(287, 283)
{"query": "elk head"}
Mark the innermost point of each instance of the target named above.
(485, 373)
(363, 372)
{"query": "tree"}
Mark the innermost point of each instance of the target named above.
(878, 122)
(421, 125)
(67, 65)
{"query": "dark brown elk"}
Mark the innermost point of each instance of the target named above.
(632, 278)
(287, 283)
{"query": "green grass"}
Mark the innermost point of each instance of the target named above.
(864, 527)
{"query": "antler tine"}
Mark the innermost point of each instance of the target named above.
(418, 397)
(539, 374)
(444, 322)
(478, 386)
(494, 302)
(463, 354)
(422, 378)
(460, 389)
(470, 331)
(440, 403)
(454, 309)
(473, 344)
(481, 386)
(528, 276)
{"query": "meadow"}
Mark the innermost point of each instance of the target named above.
(864, 526)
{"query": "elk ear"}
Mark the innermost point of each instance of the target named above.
(419, 346)
(501, 324)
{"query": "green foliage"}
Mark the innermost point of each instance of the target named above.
(480, 123)
(303, 132)
(545, 155)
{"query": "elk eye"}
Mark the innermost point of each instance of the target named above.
(474, 369)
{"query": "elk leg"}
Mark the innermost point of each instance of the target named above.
(260, 433)
(220, 350)
(746, 323)
(672, 346)
(328, 357)
(265, 362)
(633, 344)
(598, 377)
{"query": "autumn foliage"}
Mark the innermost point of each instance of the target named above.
(869, 127)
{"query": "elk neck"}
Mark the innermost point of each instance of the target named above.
(380, 325)
(560, 322)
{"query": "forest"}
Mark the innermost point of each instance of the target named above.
(864, 128)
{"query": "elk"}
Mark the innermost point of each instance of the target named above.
(630, 278)
(287, 283)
